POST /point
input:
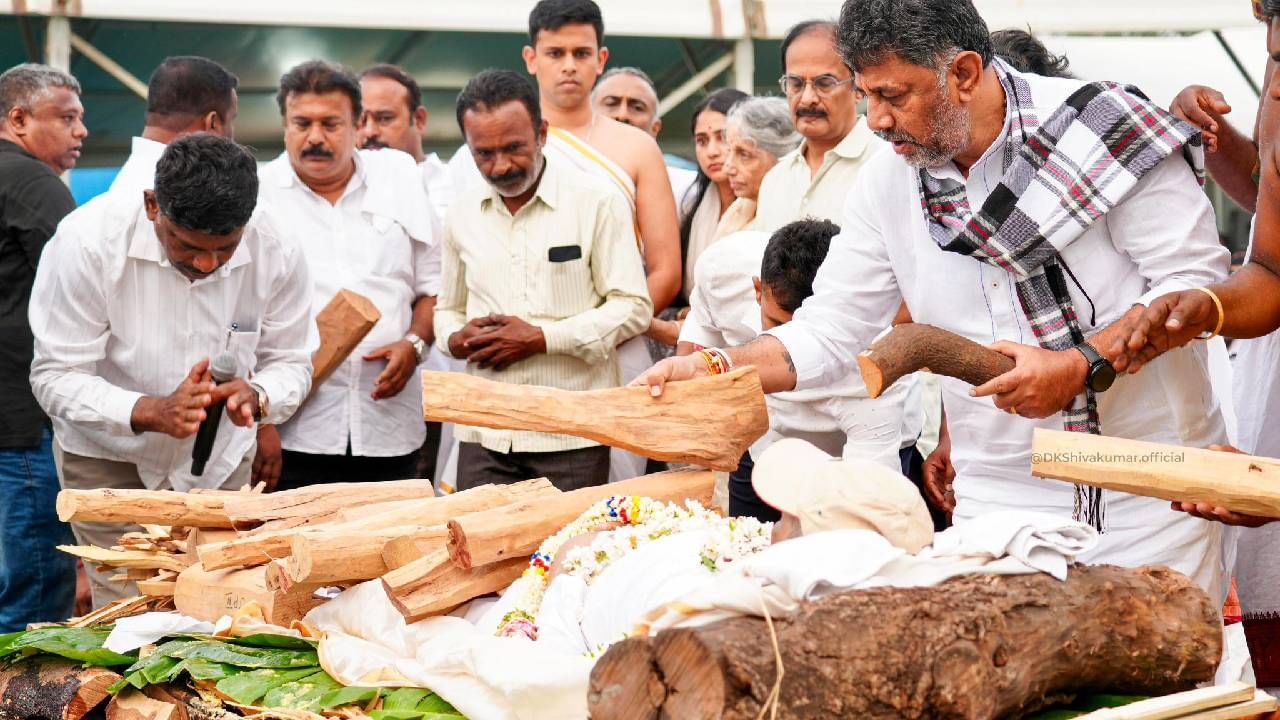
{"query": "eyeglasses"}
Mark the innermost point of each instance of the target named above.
(823, 85)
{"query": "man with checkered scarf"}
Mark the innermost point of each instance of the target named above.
(1034, 215)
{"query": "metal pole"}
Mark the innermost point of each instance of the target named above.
(109, 66)
(57, 43)
(694, 84)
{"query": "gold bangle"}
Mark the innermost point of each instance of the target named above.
(1222, 314)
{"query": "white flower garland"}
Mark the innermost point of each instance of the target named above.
(642, 521)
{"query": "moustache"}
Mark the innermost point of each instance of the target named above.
(895, 136)
(317, 151)
(372, 144)
(811, 112)
(508, 178)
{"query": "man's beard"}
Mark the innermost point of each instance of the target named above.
(516, 182)
(949, 135)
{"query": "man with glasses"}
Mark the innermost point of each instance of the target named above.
(813, 180)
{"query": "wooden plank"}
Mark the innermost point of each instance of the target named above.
(207, 595)
(1240, 483)
(517, 530)
(157, 588)
(163, 507)
(453, 586)
(709, 421)
(343, 322)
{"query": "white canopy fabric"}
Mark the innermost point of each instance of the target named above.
(661, 18)
(1162, 66)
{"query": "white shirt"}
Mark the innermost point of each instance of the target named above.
(790, 191)
(438, 181)
(376, 241)
(841, 418)
(114, 321)
(138, 172)
(1162, 237)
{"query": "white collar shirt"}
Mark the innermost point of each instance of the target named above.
(840, 417)
(437, 179)
(1161, 238)
(138, 172)
(377, 241)
(113, 321)
(790, 191)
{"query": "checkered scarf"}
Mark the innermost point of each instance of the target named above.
(1060, 177)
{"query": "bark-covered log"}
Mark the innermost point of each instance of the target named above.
(51, 689)
(976, 647)
(915, 346)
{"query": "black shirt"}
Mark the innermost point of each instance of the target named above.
(32, 202)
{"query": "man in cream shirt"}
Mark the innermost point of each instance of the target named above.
(134, 295)
(542, 281)
(365, 224)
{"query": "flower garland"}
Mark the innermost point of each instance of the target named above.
(641, 521)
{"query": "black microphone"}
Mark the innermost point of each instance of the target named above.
(223, 369)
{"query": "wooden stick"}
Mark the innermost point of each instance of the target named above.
(453, 586)
(262, 546)
(915, 346)
(342, 323)
(709, 421)
(517, 530)
(208, 596)
(322, 503)
(163, 507)
(1237, 482)
(327, 557)
(127, 558)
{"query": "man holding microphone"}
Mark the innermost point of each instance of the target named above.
(134, 296)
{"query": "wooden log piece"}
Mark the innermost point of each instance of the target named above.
(322, 503)
(127, 558)
(164, 507)
(328, 557)
(709, 421)
(46, 688)
(915, 346)
(1240, 483)
(437, 510)
(262, 546)
(453, 586)
(343, 323)
(974, 647)
(402, 551)
(208, 595)
(517, 530)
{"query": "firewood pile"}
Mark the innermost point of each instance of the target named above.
(210, 554)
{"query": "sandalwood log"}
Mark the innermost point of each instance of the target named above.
(1240, 483)
(163, 507)
(709, 421)
(322, 503)
(517, 530)
(975, 647)
(453, 586)
(208, 595)
(402, 551)
(52, 689)
(440, 509)
(327, 557)
(127, 558)
(342, 323)
(915, 346)
(262, 546)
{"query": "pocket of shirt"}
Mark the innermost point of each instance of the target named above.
(244, 345)
(570, 288)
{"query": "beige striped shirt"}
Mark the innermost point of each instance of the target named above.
(567, 262)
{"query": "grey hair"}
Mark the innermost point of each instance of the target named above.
(634, 72)
(22, 85)
(766, 121)
(1270, 9)
(921, 32)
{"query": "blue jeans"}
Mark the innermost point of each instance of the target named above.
(37, 581)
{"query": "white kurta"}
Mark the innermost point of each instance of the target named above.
(1161, 238)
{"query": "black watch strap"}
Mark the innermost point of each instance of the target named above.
(1101, 374)
(1090, 355)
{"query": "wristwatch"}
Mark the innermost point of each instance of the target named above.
(419, 345)
(263, 406)
(1101, 374)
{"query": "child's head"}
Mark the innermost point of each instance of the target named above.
(791, 260)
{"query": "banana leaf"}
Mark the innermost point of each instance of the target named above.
(1086, 705)
(79, 644)
(247, 688)
(350, 696)
(304, 694)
